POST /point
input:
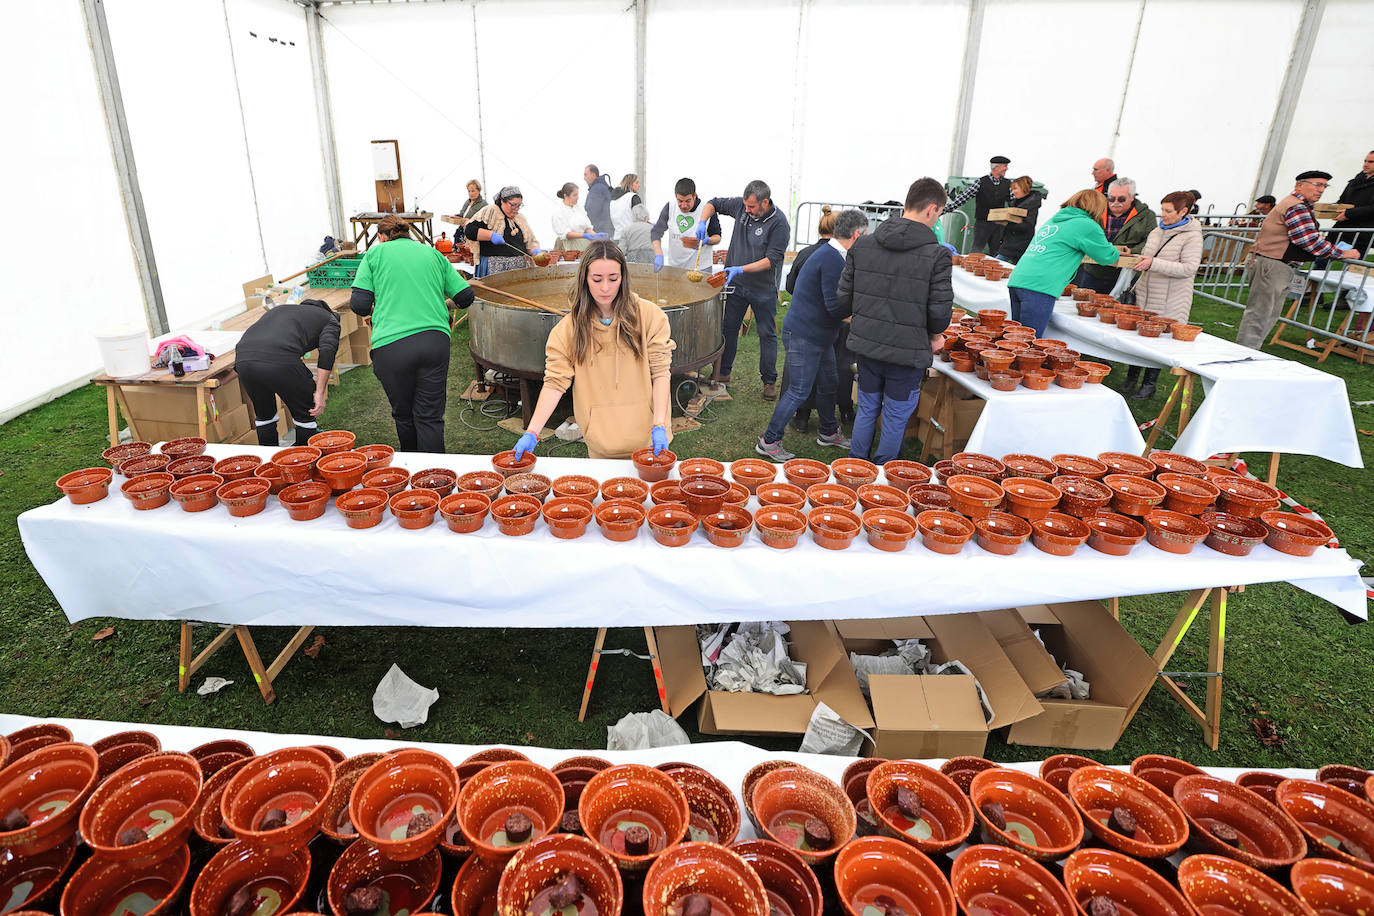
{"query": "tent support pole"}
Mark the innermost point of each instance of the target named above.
(963, 111)
(477, 94)
(641, 66)
(121, 146)
(1267, 177)
(324, 115)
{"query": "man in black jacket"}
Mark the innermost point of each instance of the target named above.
(1359, 193)
(896, 282)
(268, 360)
(992, 191)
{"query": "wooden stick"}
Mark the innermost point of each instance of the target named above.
(530, 302)
(313, 266)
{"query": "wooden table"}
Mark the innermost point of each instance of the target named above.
(365, 226)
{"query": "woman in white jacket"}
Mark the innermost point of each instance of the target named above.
(1171, 256)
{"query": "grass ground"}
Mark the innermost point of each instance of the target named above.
(1291, 658)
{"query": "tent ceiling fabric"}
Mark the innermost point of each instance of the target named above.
(824, 99)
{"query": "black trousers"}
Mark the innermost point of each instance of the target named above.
(414, 374)
(290, 380)
(987, 235)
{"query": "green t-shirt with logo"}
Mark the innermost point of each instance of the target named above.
(409, 283)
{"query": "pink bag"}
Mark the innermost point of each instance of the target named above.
(182, 343)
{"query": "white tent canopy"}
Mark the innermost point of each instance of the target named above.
(836, 100)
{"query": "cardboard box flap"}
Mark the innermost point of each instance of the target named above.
(884, 628)
(1080, 724)
(829, 676)
(926, 702)
(1118, 670)
(1036, 614)
(756, 714)
(679, 658)
(965, 637)
(1035, 665)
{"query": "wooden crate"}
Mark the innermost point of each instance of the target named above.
(1006, 215)
(1126, 261)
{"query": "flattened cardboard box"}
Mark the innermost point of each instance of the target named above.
(829, 678)
(1085, 637)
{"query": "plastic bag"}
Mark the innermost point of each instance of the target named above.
(639, 730)
(399, 699)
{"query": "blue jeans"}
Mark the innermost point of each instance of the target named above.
(1031, 308)
(808, 363)
(890, 391)
(765, 309)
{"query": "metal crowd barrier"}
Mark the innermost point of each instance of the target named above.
(808, 214)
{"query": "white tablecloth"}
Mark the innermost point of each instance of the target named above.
(1255, 402)
(108, 559)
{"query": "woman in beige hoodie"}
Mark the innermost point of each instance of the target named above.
(1172, 253)
(618, 348)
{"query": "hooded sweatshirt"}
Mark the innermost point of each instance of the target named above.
(599, 205)
(1055, 254)
(613, 397)
(896, 283)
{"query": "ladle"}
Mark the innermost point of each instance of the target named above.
(695, 275)
(529, 257)
(530, 302)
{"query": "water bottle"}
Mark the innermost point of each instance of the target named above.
(297, 294)
(174, 360)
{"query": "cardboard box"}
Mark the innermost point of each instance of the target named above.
(948, 433)
(1126, 261)
(873, 635)
(829, 678)
(927, 716)
(1006, 214)
(1085, 637)
(1036, 666)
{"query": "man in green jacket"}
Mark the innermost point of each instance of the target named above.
(1127, 224)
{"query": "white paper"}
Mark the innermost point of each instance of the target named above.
(399, 699)
(640, 730)
(755, 660)
(827, 733)
(212, 685)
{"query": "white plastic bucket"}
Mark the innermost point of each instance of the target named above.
(124, 352)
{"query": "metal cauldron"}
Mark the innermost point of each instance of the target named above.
(511, 337)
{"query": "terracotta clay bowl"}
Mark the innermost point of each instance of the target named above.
(881, 496)
(221, 746)
(620, 798)
(780, 526)
(751, 473)
(146, 464)
(488, 483)
(185, 447)
(671, 524)
(1293, 534)
(1161, 828)
(1174, 463)
(150, 491)
(444, 481)
(945, 818)
(415, 508)
(335, 820)
(271, 473)
(873, 873)
(1262, 782)
(1041, 822)
(751, 779)
(578, 485)
(492, 755)
(1001, 533)
(1265, 837)
(143, 812)
(1173, 531)
(1057, 769)
(332, 441)
(463, 512)
(738, 496)
(29, 882)
(496, 793)
(276, 880)
(729, 885)
(963, 362)
(206, 819)
(1033, 466)
(978, 465)
(1162, 772)
(1059, 534)
(1245, 497)
(506, 464)
(624, 488)
(378, 456)
(903, 474)
(1133, 495)
(584, 761)
(86, 486)
(244, 497)
(1029, 498)
(567, 517)
(785, 799)
(98, 883)
(833, 529)
(1331, 887)
(30, 738)
(791, 885)
(1133, 886)
(888, 530)
(1337, 824)
(305, 501)
(295, 781)
(1106, 316)
(408, 885)
(853, 472)
(1037, 379)
(995, 879)
(713, 813)
(1187, 494)
(1030, 358)
(1216, 884)
(729, 527)
(1126, 463)
(197, 493)
(536, 870)
(670, 491)
(972, 496)
(1082, 497)
(1114, 534)
(1005, 379)
(780, 494)
(653, 468)
(943, 531)
(536, 485)
(1079, 466)
(1126, 321)
(236, 467)
(117, 750)
(1343, 776)
(855, 777)
(929, 496)
(1232, 534)
(116, 455)
(49, 786)
(297, 462)
(697, 467)
(620, 520)
(475, 887)
(831, 495)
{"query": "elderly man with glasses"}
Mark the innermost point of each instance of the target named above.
(1289, 236)
(1127, 224)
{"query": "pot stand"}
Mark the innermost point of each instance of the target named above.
(264, 676)
(1182, 397)
(651, 658)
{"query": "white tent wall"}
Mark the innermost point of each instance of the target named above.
(69, 268)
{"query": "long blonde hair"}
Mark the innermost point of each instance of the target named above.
(1090, 202)
(585, 312)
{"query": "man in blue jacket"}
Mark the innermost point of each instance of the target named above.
(598, 200)
(808, 336)
(753, 266)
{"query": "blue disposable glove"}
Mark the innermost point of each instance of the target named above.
(536, 251)
(526, 444)
(701, 233)
(731, 273)
(952, 249)
(659, 436)
(497, 238)
(602, 236)
(658, 265)
(589, 236)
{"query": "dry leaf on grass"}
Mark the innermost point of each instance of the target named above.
(103, 634)
(392, 734)
(1267, 732)
(315, 647)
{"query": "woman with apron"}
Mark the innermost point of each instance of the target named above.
(505, 238)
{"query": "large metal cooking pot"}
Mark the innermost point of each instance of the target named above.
(511, 337)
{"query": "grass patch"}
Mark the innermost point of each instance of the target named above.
(1290, 657)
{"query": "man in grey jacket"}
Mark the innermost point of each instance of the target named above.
(598, 200)
(896, 282)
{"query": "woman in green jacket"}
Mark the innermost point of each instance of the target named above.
(1054, 255)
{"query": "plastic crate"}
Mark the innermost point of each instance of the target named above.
(336, 273)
